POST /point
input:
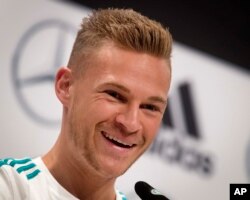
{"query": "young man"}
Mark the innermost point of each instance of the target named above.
(114, 93)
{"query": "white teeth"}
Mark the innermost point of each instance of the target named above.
(117, 140)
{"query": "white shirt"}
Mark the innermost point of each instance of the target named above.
(29, 179)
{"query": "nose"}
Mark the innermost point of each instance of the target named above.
(129, 120)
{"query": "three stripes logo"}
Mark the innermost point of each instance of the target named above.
(22, 166)
(180, 133)
(184, 116)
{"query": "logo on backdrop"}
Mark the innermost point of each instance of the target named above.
(43, 48)
(181, 134)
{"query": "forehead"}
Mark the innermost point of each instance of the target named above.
(129, 68)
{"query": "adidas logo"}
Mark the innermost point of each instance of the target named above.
(177, 142)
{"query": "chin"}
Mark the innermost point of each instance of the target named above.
(113, 170)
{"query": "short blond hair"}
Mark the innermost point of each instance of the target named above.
(126, 28)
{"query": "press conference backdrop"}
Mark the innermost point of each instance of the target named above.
(203, 144)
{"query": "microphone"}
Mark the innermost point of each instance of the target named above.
(147, 192)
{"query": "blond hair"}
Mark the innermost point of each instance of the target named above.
(126, 28)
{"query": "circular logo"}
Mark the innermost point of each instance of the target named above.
(155, 192)
(43, 48)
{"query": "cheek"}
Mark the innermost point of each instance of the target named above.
(100, 111)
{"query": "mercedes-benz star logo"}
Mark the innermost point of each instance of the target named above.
(41, 50)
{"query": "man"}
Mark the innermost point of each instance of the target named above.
(113, 93)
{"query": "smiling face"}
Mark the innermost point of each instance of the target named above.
(116, 108)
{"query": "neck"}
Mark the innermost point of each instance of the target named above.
(81, 181)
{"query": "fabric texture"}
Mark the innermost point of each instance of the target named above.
(30, 179)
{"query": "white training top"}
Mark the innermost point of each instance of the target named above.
(30, 179)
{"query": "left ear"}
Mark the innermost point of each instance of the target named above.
(63, 84)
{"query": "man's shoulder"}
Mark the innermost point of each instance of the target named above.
(24, 168)
(16, 175)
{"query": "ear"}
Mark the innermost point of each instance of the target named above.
(63, 83)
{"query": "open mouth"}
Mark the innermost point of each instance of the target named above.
(116, 141)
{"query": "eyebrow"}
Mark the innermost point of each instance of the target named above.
(158, 99)
(121, 87)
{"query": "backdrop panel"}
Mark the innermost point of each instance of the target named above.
(203, 144)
